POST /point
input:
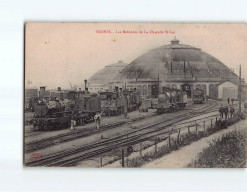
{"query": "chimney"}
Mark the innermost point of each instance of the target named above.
(42, 92)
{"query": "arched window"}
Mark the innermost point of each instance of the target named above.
(198, 87)
(140, 89)
(213, 91)
(204, 88)
(145, 90)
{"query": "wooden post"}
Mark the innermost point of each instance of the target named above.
(141, 149)
(196, 128)
(204, 126)
(122, 157)
(100, 161)
(178, 140)
(169, 139)
(240, 89)
(216, 120)
(211, 123)
(155, 149)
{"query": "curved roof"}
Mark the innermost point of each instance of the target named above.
(106, 74)
(175, 60)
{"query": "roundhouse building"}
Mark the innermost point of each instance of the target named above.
(178, 66)
(100, 80)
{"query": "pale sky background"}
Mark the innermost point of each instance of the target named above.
(56, 53)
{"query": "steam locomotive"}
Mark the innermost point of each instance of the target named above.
(171, 100)
(82, 107)
(198, 96)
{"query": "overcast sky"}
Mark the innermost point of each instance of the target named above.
(57, 53)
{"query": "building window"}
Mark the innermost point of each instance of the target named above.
(140, 89)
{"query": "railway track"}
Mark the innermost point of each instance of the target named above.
(72, 156)
(53, 140)
(61, 138)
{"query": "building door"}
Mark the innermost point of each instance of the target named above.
(213, 91)
(145, 90)
(154, 90)
(230, 93)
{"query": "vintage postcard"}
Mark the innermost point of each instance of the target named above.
(128, 95)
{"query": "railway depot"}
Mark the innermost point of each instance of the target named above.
(141, 105)
(178, 66)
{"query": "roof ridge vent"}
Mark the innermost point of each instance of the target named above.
(175, 41)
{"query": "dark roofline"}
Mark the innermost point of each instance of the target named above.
(236, 83)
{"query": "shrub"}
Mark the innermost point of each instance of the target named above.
(227, 151)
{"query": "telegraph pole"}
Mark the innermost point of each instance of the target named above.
(240, 89)
(158, 86)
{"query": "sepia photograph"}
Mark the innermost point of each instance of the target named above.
(135, 95)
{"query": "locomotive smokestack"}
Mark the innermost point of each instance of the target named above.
(85, 81)
(59, 89)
